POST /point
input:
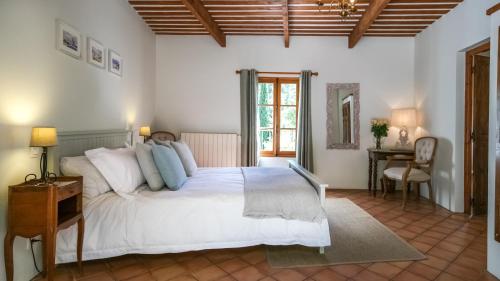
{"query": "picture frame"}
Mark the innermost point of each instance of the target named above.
(115, 64)
(96, 53)
(69, 40)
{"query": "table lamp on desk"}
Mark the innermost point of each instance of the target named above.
(404, 118)
(145, 132)
(43, 137)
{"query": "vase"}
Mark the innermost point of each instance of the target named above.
(378, 143)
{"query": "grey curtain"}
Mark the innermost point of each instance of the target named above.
(248, 103)
(304, 126)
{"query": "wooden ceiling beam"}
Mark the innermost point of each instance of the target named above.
(372, 12)
(296, 2)
(286, 33)
(201, 13)
(493, 9)
(420, 6)
(182, 33)
(406, 17)
(277, 2)
(218, 18)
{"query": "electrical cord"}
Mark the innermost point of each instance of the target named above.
(33, 253)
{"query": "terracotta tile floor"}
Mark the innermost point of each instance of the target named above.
(455, 247)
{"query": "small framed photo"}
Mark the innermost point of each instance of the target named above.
(115, 63)
(69, 40)
(96, 53)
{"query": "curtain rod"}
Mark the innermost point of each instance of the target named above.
(282, 73)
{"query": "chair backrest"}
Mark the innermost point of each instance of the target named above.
(425, 149)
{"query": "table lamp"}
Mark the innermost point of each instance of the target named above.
(145, 132)
(404, 118)
(43, 137)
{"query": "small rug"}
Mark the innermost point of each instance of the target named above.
(356, 237)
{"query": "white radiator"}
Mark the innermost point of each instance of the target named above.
(214, 150)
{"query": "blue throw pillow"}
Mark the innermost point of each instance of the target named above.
(170, 166)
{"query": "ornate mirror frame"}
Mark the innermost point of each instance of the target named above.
(331, 89)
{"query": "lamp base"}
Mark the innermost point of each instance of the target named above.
(403, 138)
(43, 165)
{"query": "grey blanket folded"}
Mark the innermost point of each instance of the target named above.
(282, 193)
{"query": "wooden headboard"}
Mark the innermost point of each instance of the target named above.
(76, 143)
(162, 136)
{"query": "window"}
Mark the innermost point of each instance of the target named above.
(277, 107)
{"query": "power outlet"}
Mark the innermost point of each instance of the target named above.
(35, 152)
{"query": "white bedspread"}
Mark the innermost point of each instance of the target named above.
(206, 213)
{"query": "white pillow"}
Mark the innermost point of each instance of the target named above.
(186, 157)
(94, 183)
(119, 167)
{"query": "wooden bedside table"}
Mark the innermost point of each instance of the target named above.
(43, 210)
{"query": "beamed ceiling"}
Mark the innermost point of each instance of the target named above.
(220, 18)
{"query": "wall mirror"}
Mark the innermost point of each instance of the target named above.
(342, 107)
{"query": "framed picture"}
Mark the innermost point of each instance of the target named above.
(96, 53)
(115, 63)
(69, 40)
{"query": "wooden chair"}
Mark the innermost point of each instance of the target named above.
(418, 169)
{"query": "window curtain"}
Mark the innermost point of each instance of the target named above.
(304, 126)
(248, 103)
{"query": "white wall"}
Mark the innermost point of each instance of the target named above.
(39, 85)
(198, 90)
(493, 246)
(440, 90)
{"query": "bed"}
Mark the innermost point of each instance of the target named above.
(205, 214)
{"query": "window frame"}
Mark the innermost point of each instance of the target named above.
(277, 82)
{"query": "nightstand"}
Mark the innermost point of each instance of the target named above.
(35, 209)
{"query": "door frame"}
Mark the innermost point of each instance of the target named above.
(468, 126)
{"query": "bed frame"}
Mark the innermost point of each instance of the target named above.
(77, 142)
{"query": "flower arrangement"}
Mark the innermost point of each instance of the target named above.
(379, 128)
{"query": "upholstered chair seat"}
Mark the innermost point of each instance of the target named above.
(397, 173)
(416, 170)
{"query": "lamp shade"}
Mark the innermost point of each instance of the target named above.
(145, 131)
(404, 117)
(43, 137)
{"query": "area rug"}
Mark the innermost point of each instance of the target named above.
(356, 237)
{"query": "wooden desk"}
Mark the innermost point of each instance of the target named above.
(43, 209)
(375, 155)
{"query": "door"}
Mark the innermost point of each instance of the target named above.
(346, 121)
(481, 84)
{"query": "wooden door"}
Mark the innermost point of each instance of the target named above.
(481, 91)
(346, 122)
(497, 170)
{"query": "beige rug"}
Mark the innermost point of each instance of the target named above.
(356, 237)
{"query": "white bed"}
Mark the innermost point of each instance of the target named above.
(205, 214)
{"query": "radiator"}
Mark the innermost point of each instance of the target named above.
(214, 150)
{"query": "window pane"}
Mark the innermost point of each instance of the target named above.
(265, 93)
(287, 140)
(265, 116)
(266, 140)
(289, 94)
(288, 117)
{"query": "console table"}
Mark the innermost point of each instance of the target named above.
(375, 155)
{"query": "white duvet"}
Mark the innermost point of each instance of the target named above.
(206, 213)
